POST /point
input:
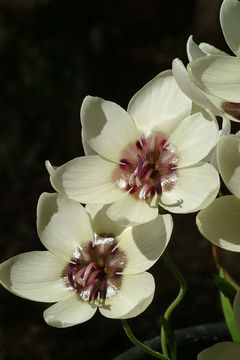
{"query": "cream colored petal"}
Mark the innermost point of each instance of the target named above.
(226, 126)
(211, 50)
(106, 127)
(193, 50)
(135, 295)
(69, 312)
(222, 351)
(229, 19)
(194, 137)
(145, 243)
(63, 225)
(225, 130)
(236, 310)
(196, 188)
(131, 211)
(86, 147)
(220, 223)
(160, 105)
(228, 159)
(101, 223)
(37, 276)
(218, 75)
(192, 91)
(87, 179)
(50, 169)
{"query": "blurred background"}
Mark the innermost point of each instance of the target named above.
(52, 54)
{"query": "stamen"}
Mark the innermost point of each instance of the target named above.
(93, 276)
(148, 174)
(147, 167)
(87, 271)
(95, 270)
(138, 181)
(131, 179)
(124, 163)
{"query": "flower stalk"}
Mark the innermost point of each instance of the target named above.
(139, 344)
(182, 291)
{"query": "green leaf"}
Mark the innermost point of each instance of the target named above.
(228, 312)
(225, 287)
(170, 338)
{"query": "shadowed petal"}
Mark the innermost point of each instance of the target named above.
(221, 351)
(192, 91)
(145, 243)
(219, 223)
(218, 75)
(131, 211)
(135, 295)
(101, 223)
(194, 137)
(229, 19)
(63, 224)
(228, 159)
(196, 188)
(106, 127)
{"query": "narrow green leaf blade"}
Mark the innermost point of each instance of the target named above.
(225, 287)
(228, 313)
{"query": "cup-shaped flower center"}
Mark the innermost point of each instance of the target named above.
(95, 270)
(147, 167)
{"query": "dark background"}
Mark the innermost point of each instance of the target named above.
(52, 54)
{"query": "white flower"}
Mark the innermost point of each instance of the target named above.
(215, 76)
(225, 350)
(91, 263)
(220, 221)
(145, 157)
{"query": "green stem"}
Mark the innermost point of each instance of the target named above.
(139, 344)
(182, 291)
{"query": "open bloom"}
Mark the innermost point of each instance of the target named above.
(228, 349)
(213, 78)
(91, 263)
(220, 221)
(146, 156)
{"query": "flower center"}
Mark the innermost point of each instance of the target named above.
(95, 270)
(147, 167)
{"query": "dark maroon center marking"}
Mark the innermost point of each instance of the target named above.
(95, 271)
(232, 109)
(147, 167)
